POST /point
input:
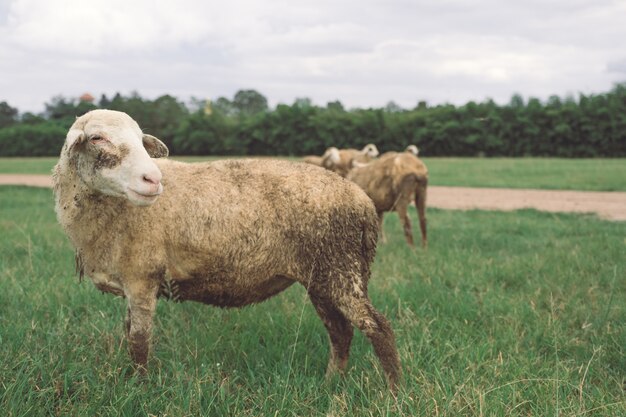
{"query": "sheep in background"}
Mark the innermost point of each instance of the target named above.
(319, 160)
(392, 182)
(227, 233)
(410, 149)
(342, 160)
(313, 160)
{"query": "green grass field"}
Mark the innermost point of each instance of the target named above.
(542, 173)
(507, 313)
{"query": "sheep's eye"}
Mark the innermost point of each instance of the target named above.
(97, 139)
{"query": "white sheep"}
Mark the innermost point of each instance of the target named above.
(319, 160)
(392, 181)
(342, 160)
(412, 149)
(226, 233)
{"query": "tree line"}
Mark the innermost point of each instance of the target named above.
(586, 126)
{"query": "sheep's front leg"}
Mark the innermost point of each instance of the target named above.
(142, 298)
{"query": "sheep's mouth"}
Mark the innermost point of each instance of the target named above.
(143, 197)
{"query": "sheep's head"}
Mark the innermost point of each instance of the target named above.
(370, 150)
(112, 156)
(331, 158)
(413, 149)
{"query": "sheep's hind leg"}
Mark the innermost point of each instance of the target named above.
(360, 312)
(420, 204)
(406, 223)
(138, 323)
(381, 228)
(340, 334)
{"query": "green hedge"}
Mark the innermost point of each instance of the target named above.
(45, 139)
(590, 126)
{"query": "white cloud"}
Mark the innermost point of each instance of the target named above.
(90, 27)
(618, 66)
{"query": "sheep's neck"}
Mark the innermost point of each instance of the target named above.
(83, 213)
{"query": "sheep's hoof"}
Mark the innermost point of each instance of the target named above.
(141, 373)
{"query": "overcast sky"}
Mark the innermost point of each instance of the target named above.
(364, 53)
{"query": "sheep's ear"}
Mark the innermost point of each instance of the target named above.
(75, 140)
(155, 148)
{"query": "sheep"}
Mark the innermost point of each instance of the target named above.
(226, 233)
(411, 149)
(391, 182)
(342, 160)
(313, 160)
(319, 160)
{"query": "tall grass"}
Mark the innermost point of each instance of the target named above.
(516, 313)
(543, 173)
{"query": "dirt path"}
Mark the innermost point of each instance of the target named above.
(23, 179)
(607, 205)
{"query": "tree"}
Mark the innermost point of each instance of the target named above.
(195, 104)
(517, 101)
(393, 107)
(199, 134)
(224, 106)
(249, 102)
(61, 108)
(335, 106)
(29, 118)
(8, 115)
(421, 105)
(104, 102)
(303, 102)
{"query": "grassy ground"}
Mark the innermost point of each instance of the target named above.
(519, 313)
(542, 173)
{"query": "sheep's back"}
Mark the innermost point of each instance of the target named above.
(259, 184)
(263, 212)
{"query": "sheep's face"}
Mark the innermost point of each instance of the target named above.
(331, 158)
(371, 150)
(113, 157)
(413, 149)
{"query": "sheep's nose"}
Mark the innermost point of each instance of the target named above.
(152, 178)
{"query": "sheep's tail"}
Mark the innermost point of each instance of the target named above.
(369, 239)
(420, 204)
